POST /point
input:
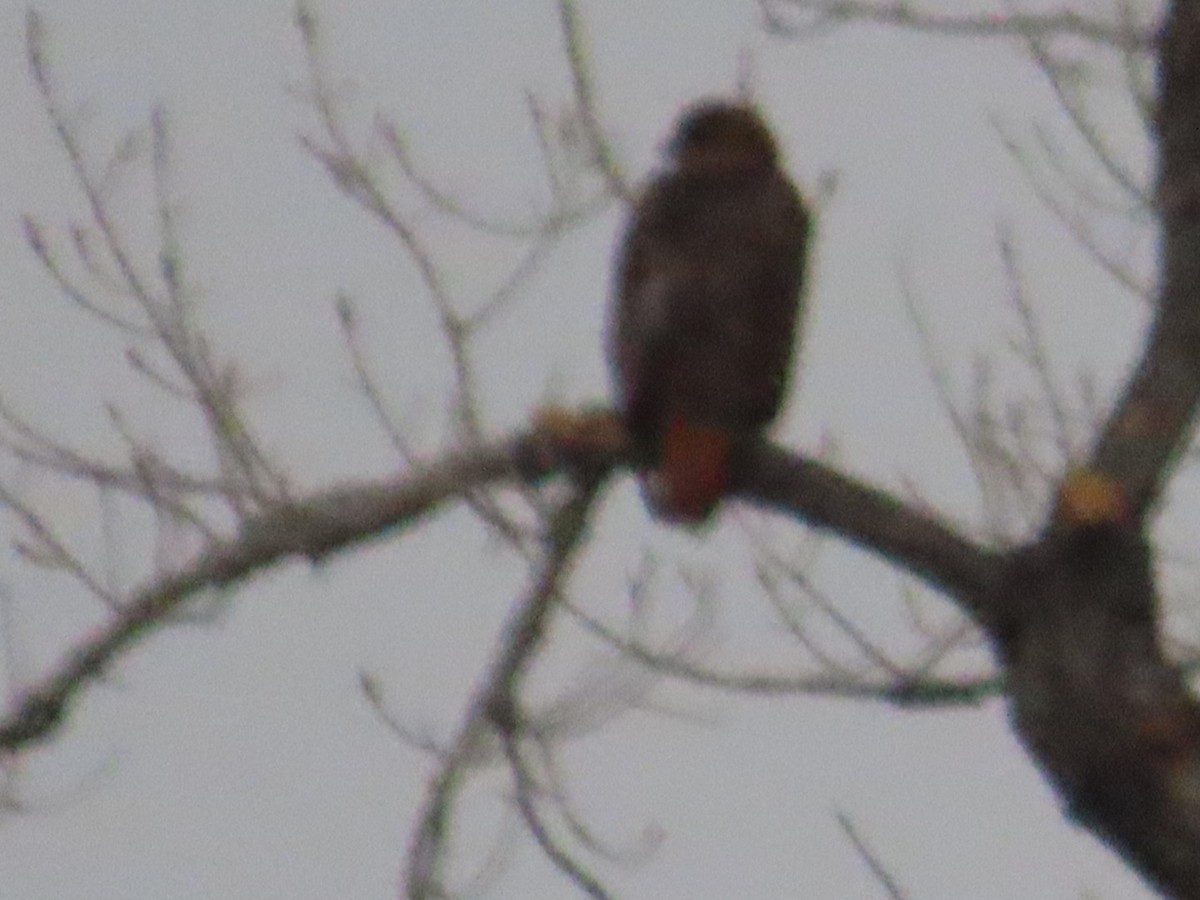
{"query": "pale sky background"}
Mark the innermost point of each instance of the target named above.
(237, 758)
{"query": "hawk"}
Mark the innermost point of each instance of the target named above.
(708, 298)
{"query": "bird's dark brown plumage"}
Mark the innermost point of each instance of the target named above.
(708, 298)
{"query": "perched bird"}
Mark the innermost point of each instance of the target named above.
(708, 298)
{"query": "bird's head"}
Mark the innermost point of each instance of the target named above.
(719, 135)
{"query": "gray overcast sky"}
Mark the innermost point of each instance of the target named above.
(238, 759)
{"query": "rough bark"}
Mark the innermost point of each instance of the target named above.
(1092, 695)
(1074, 616)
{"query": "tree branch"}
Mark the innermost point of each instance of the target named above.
(1107, 716)
(1154, 419)
(1104, 713)
(495, 707)
(312, 528)
(904, 14)
(341, 517)
(873, 519)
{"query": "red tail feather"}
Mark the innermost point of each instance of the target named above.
(693, 471)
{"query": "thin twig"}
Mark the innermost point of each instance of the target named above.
(870, 857)
(903, 690)
(497, 699)
(526, 792)
(903, 14)
(1034, 349)
(575, 48)
(320, 525)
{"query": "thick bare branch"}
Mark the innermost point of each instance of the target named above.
(338, 518)
(311, 528)
(1105, 714)
(872, 519)
(1154, 418)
